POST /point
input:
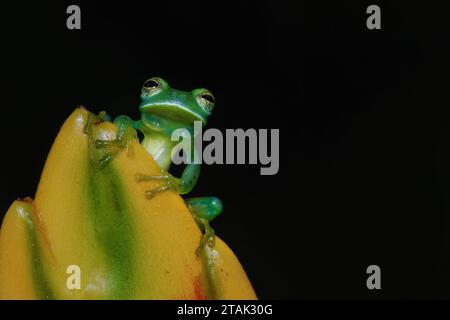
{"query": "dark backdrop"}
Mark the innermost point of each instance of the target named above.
(364, 163)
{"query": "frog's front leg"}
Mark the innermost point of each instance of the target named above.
(181, 185)
(125, 133)
(204, 210)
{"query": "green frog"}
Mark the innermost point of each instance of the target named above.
(164, 110)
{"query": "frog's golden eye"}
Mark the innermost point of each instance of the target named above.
(152, 86)
(206, 100)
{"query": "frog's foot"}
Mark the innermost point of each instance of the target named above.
(167, 182)
(94, 119)
(204, 210)
(125, 134)
(208, 238)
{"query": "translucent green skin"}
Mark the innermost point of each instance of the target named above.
(164, 110)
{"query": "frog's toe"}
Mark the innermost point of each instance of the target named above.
(167, 182)
(206, 241)
(151, 193)
(209, 235)
(102, 144)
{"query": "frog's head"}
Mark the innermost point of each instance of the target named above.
(166, 109)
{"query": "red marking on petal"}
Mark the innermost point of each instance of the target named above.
(198, 289)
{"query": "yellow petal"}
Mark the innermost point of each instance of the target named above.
(126, 246)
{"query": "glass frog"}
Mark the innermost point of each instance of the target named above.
(163, 110)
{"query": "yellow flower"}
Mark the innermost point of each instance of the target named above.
(98, 219)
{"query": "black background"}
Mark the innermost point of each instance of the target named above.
(364, 162)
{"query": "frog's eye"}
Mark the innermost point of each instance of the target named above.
(206, 100)
(152, 86)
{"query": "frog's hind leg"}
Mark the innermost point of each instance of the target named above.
(125, 133)
(204, 210)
